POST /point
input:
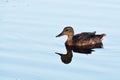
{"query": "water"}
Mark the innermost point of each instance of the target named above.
(28, 43)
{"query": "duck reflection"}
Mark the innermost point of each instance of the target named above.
(67, 58)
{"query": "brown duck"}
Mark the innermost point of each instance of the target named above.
(82, 39)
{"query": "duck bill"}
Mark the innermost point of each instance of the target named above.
(61, 34)
(58, 53)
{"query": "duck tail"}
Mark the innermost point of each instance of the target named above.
(102, 35)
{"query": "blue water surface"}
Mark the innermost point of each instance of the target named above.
(28, 43)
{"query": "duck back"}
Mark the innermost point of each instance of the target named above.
(87, 38)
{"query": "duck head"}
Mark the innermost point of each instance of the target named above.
(67, 31)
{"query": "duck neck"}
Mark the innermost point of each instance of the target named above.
(69, 40)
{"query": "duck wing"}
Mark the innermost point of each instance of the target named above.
(87, 38)
(83, 36)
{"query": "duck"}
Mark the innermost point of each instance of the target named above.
(82, 39)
